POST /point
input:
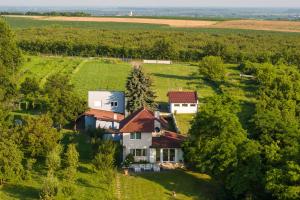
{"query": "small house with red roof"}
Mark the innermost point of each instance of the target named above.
(144, 135)
(183, 102)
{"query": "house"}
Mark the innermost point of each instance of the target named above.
(102, 119)
(144, 135)
(106, 109)
(113, 101)
(183, 102)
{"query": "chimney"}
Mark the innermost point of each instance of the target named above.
(157, 114)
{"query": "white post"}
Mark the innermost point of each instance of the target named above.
(161, 155)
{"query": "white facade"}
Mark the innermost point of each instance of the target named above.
(144, 143)
(106, 100)
(183, 108)
(152, 155)
(92, 123)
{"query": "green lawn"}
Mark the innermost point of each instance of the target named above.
(184, 122)
(160, 185)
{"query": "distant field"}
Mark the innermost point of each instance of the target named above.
(110, 74)
(170, 22)
(152, 23)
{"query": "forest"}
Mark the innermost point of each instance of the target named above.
(256, 159)
(174, 45)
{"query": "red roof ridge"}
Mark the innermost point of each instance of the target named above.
(135, 114)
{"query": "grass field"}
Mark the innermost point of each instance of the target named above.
(110, 74)
(153, 186)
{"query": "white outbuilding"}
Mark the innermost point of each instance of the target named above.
(183, 102)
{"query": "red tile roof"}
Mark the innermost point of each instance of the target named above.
(104, 115)
(168, 140)
(182, 97)
(141, 120)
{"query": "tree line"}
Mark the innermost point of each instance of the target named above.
(53, 13)
(191, 46)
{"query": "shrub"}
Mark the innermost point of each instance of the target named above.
(50, 187)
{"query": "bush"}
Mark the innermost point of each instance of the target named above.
(68, 189)
(50, 187)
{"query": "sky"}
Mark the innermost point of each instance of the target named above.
(153, 3)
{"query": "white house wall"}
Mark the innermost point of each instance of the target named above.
(101, 100)
(183, 110)
(107, 124)
(144, 143)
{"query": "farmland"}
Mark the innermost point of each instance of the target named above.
(265, 25)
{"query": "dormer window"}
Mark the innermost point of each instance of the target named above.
(157, 129)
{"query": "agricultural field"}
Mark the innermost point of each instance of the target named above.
(110, 74)
(152, 23)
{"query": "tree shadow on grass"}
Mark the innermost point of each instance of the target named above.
(21, 192)
(172, 76)
(85, 183)
(198, 82)
(182, 182)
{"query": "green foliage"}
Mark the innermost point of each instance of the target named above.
(72, 160)
(29, 168)
(29, 86)
(164, 49)
(10, 57)
(128, 160)
(283, 182)
(39, 136)
(10, 161)
(276, 125)
(62, 104)
(212, 68)
(219, 146)
(53, 159)
(139, 91)
(50, 187)
(105, 158)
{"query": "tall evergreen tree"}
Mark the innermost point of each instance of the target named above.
(139, 91)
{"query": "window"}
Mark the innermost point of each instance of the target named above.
(165, 155)
(193, 105)
(172, 155)
(184, 105)
(176, 105)
(138, 152)
(114, 104)
(135, 136)
(168, 155)
(157, 155)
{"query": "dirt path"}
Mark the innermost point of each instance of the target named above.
(118, 186)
